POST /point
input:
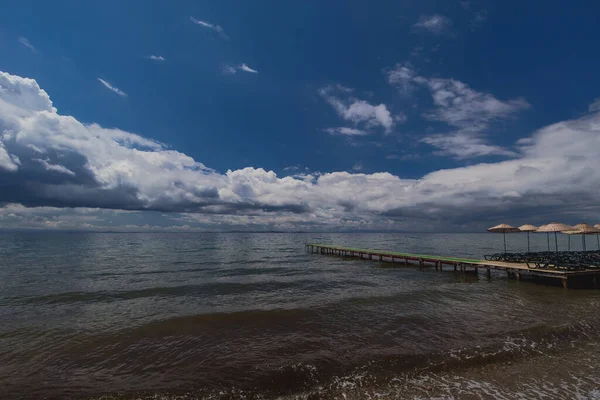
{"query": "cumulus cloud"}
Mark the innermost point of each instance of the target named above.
(469, 112)
(359, 112)
(156, 58)
(52, 164)
(436, 24)
(112, 88)
(208, 25)
(27, 44)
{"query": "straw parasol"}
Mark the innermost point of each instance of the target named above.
(555, 227)
(570, 233)
(597, 226)
(528, 228)
(585, 229)
(503, 228)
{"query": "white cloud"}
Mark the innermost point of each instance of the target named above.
(208, 25)
(469, 112)
(230, 70)
(401, 76)
(436, 24)
(480, 16)
(551, 176)
(246, 68)
(462, 107)
(23, 95)
(595, 106)
(27, 44)
(346, 131)
(6, 161)
(156, 58)
(464, 145)
(54, 167)
(357, 111)
(112, 88)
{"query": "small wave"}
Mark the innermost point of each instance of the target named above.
(207, 289)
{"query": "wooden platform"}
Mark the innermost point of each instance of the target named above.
(515, 270)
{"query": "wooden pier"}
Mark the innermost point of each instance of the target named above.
(464, 265)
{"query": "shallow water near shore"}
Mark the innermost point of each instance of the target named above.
(252, 315)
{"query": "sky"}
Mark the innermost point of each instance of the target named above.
(311, 116)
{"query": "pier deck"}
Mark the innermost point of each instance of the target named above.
(515, 270)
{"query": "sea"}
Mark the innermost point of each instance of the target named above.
(254, 316)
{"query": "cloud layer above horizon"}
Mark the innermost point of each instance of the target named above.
(50, 163)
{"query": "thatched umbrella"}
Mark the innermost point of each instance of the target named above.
(570, 233)
(597, 226)
(555, 227)
(585, 229)
(503, 228)
(528, 228)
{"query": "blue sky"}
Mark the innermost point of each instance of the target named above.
(381, 115)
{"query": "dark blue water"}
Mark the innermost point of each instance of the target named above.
(253, 316)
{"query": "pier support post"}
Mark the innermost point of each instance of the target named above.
(488, 273)
(518, 276)
(595, 282)
(565, 283)
(454, 267)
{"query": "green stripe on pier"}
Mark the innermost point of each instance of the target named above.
(395, 254)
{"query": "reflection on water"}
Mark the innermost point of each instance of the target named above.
(234, 315)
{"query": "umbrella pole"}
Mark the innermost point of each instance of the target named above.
(583, 238)
(528, 249)
(548, 237)
(598, 239)
(504, 234)
(569, 242)
(556, 241)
